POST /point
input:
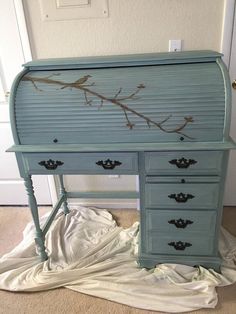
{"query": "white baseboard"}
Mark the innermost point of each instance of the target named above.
(134, 204)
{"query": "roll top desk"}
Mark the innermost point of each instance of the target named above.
(164, 117)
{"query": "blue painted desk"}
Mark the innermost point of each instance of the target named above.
(164, 117)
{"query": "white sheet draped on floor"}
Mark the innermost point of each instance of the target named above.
(90, 254)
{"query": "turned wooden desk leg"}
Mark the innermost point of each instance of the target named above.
(63, 192)
(39, 237)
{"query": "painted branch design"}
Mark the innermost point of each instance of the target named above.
(117, 100)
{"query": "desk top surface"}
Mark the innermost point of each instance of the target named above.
(127, 147)
(126, 60)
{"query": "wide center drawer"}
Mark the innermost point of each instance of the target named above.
(183, 162)
(181, 222)
(177, 195)
(81, 163)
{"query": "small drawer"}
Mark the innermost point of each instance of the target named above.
(182, 179)
(81, 163)
(188, 195)
(180, 245)
(183, 162)
(181, 222)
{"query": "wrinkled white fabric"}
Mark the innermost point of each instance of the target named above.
(89, 253)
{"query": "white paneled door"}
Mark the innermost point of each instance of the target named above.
(230, 193)
(12, 56)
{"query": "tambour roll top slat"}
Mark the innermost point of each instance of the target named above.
(149, 98)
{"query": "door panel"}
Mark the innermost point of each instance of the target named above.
(12, 191)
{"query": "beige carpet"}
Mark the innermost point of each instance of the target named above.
(58, 301)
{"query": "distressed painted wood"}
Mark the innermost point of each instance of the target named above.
(64, 194)
(124, 60)
(181, 222)
(162, 116)
(39, 236)
(61, 200)
(170, 244)
(187, 163)
(43, 99)
(80, 163)
(127, 147)
(182, 195)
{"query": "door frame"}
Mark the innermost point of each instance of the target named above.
(227, 31)
(227, 48)
(21, 22)
(27, 56)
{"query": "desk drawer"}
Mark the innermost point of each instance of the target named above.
(181, 222)
(189, 195)
(183, 162)
(180, 245)
(79, 163)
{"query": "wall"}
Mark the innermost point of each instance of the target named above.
(133, 26)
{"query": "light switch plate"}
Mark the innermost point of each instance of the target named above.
(60, 10)
(71, 3)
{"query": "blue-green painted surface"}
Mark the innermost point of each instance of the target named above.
(82, 163)
(126, 147)
(203, 163)
(142, 111)
(200, 244)
(125, 60)
(202, 222)
(47, 111)
(205, 195)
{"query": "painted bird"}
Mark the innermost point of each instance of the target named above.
(82, 80)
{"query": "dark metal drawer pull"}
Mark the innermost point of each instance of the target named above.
(182, 162)
(51, 164)
(180, 223)
(180, 246)
(108, 164)
(181, 197)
